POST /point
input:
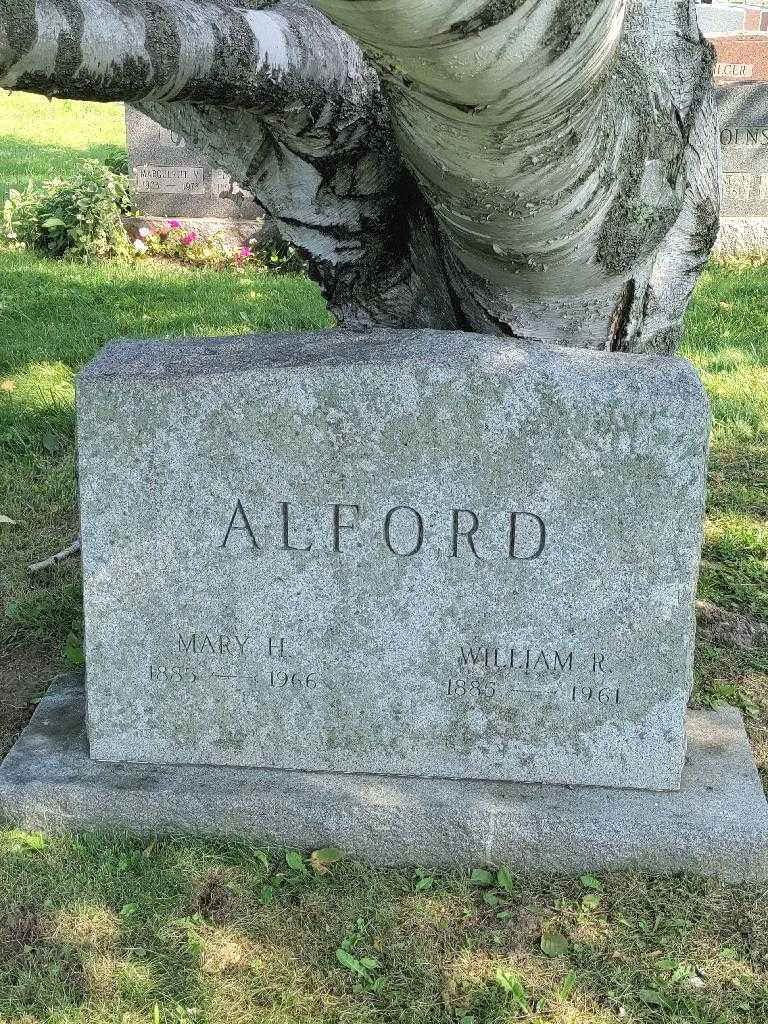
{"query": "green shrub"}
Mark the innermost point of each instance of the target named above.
(117, 161)
(80, 218)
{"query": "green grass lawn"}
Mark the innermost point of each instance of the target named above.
(42, 139)
(142, 933)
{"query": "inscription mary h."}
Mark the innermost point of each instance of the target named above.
(399, 530)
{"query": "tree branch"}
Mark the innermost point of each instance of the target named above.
(281, 98)
(505, 117)
(287, 58)
(554, 141)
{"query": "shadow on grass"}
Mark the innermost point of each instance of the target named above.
(226, 933)
(54, 311)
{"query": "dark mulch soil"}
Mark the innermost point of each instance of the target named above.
(24, 677)
(729, 629)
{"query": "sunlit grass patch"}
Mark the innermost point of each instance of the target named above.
(134, 926)
(86, 925)
(42, 139)
(727, 339)
(739, 400)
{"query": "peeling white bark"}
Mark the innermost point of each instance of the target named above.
(540, 168)
(503, 132)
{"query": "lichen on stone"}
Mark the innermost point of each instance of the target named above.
(648, 153)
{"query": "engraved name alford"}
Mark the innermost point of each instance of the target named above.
(401, 531)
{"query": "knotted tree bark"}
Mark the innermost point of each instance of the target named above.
(543, 169)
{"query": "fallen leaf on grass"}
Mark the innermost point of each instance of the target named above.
(652, 998)
(321, 860)
(554, 944)
(5, 521)
(295, 862)
(694, 981)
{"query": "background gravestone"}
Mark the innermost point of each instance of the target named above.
(743, 111)
(173, 180)
(717, 19)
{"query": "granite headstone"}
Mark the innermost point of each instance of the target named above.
(720, 19)
(743, 113)
(403, 553)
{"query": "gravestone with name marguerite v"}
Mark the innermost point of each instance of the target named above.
(743, 112)
(425, 596)
(173, 180)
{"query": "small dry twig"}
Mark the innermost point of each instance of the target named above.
(60, 556)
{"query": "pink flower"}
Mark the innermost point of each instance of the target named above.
(174, 224)
(189, 238)
(242, 255)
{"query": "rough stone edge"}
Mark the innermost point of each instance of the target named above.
(716, 825)
(652, 376)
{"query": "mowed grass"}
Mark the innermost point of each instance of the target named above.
(42, 139)
(727, 340)
(96, 932)
(121, 932)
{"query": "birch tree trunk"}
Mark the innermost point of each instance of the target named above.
(542, 169)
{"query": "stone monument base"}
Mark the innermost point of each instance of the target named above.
(717, 824)
(226, 232)
(741, 237)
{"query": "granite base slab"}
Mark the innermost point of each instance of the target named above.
(717, 824)
(741, 237)
(226, 231)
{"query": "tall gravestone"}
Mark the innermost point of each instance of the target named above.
(743, 113)
(173, 180)
(425, 596)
